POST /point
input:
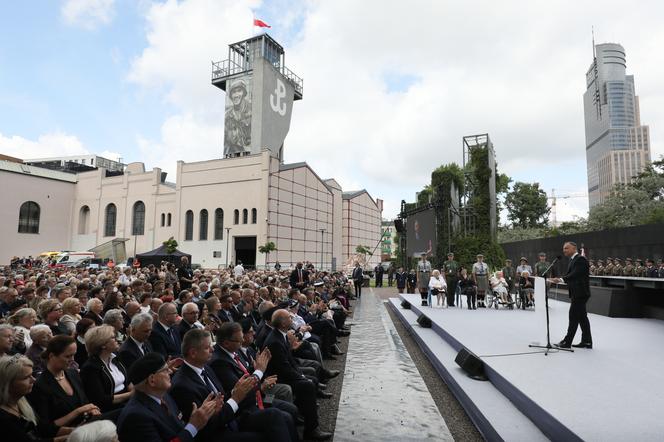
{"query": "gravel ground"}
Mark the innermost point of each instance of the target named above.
(457, 420)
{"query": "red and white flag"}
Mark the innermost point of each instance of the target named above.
(261, 23)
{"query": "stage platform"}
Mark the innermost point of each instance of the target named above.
(612, 392)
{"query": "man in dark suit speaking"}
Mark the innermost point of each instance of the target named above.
(578, 285)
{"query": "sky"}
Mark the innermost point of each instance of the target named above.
(390, 88)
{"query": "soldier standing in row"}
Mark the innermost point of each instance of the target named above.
(508, 274)
(639, 269)
(600, 268)
(542, 265)
(608, 268)
(451, 269)
(617, 267)
(628, 270)
(593, 268)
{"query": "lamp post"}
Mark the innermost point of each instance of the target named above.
(228, 239)
(322, 245)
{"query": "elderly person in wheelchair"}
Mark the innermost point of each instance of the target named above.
(526, 290)
(499, 287)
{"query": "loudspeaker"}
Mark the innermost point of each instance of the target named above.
(405, 304)
(471, 364)
(398, 224)
(424, 321)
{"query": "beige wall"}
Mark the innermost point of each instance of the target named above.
(361, 226)
(97, 191)
(230, 184)
(55, 199)
(300, 205)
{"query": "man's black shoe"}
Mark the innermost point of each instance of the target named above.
(563, 344)
(317, 434)
(323, 394)
(343, 333)
(329, 357)
(299, 421)
(583, 345)
(322, 386)
(329, 374)
(336, 351)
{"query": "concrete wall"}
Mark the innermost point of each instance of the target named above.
(300, 205)
(55, 199)
(361, 226)
(230, 184)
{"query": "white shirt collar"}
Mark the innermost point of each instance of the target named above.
(199, 371)
(574, 256)
(167, 328)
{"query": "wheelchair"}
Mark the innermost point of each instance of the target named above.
(492, 299)
(522, 301)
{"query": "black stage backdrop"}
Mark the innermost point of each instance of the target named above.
(643, 242)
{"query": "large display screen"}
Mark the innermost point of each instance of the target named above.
(421, 233)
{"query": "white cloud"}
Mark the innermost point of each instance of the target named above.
(49, 145)
(512, 69)
(88, 14)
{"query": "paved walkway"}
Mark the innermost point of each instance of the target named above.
(383, 395)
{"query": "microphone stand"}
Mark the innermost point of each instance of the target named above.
(548, 345)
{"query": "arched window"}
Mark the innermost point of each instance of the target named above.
(168, 220)
(163, 219)
(203, 225)
(236, 216)
(219, 224)
(138, 219)
(28, 217)
(245, 216)
(83, 220)
(189, 225)
(254, 216)
(109, 223)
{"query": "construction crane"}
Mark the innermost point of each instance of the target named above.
(554, 198)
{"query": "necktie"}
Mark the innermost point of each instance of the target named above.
(259, 398)
(164, 406)
(208, 382)
(144, 348)
(170, 335)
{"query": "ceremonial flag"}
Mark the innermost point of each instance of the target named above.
(261, 23)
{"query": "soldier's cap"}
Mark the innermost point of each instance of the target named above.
(523, 258)
(145, 366)
(239, 84)
(450, 254)
(599, 261)
(639, 260)
(616, 259)
(628, 259)
(480, 256)
(542, 254)
(608, 258)
(508, 260)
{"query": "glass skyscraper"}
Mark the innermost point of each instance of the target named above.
(617, 145)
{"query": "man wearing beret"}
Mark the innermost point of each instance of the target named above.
(151, 415)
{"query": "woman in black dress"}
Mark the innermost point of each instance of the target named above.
(18, 421)
(468, 287)
(58, 395)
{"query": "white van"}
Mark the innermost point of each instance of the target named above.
(72, 258)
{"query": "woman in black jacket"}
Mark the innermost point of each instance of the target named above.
(58, 395)
(468, 287)
(104, 377)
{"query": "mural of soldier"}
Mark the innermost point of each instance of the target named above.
(237, 119)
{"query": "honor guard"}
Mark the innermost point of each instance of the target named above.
(593, 268)
(617, 267)
(541, 265)
(608, 268)
(628, 270)
(639, 268)
(600, 268)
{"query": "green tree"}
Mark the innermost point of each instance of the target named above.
(171, 245)
(267, 248)
(527, 205)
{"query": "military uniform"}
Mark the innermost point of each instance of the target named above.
(608, 268)
(451, 268)
(508, 274)
(593, 268)
(639, 269)
(628, 270)
(540, 268)
(600, 268)
(617, 267)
